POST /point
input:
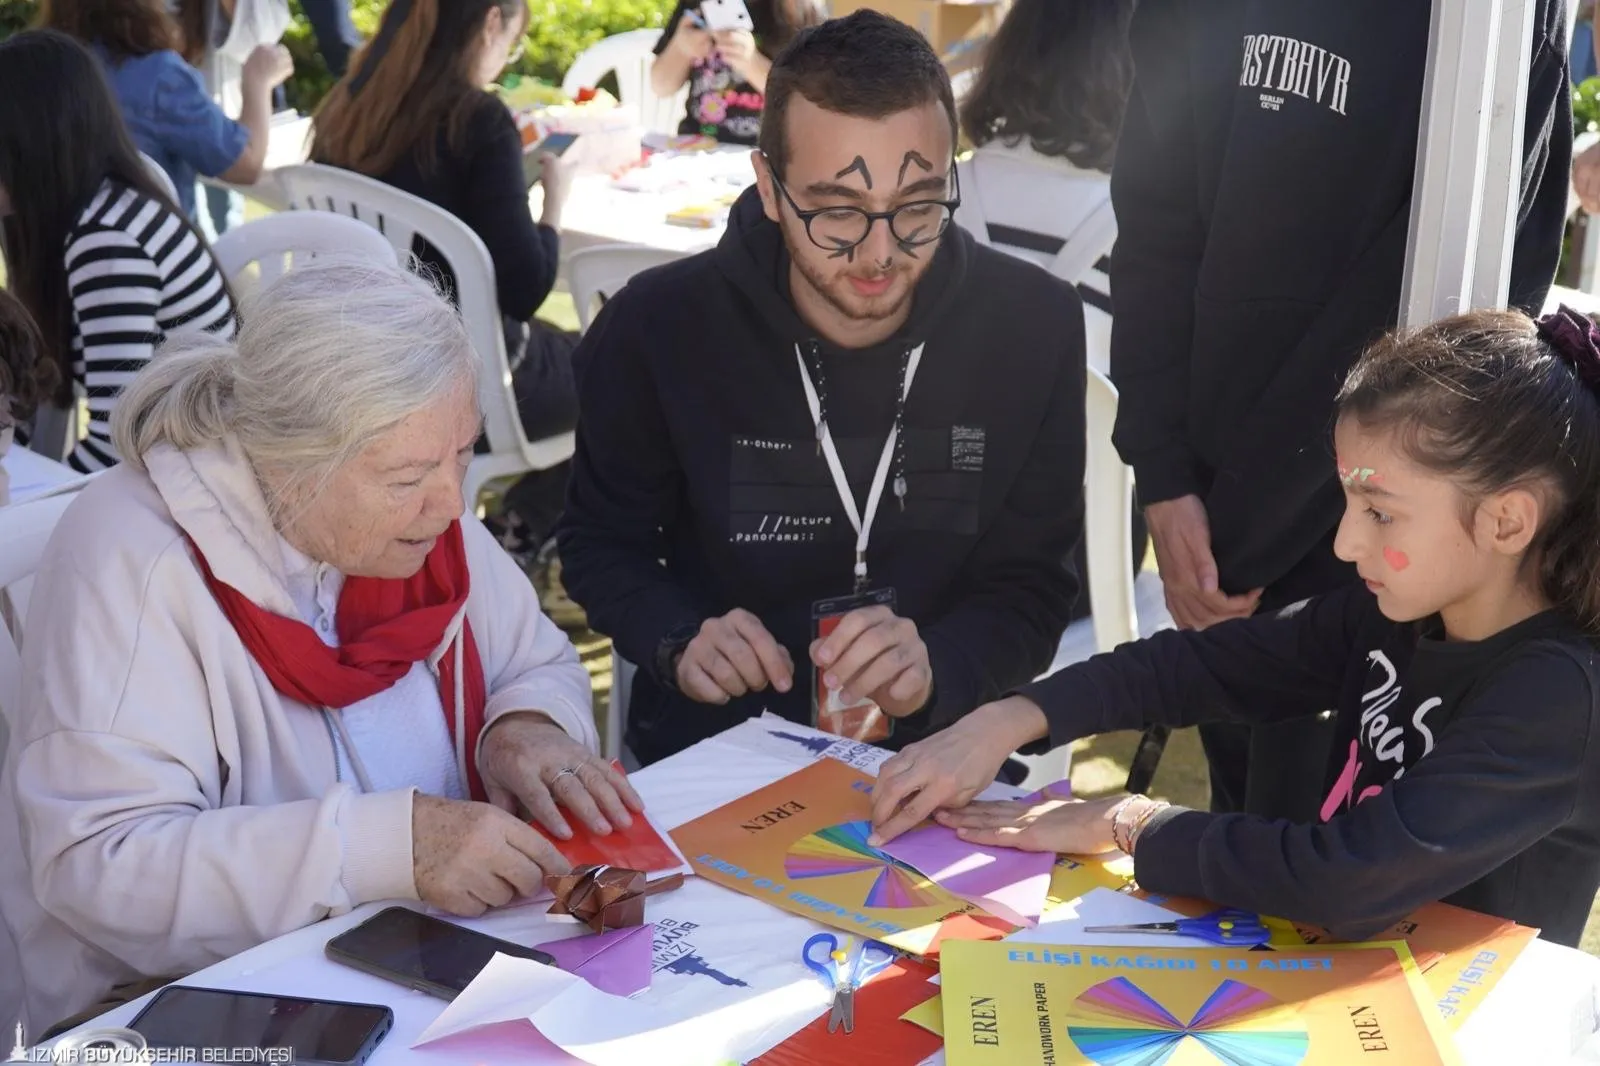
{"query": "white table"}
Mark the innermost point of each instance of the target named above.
(1542, 1013)
(633, 209)
(32, 474)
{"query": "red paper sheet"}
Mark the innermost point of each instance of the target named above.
(639, 847)
(881, 1038)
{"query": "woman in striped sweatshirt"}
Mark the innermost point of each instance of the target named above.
(100, 256)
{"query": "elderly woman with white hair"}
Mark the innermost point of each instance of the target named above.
(273, 671)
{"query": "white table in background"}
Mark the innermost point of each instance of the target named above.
(1542, 1013)
(32, 474)
(605, 210)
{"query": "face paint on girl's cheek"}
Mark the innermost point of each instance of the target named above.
(1396, 559)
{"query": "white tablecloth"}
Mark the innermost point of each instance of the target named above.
(1541, 1014)
(633, 209)
(31, 473)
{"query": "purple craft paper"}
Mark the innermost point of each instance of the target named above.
(617, 962)
(1011, 885)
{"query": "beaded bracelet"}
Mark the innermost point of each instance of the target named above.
(1125, 829)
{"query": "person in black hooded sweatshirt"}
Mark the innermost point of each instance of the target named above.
(1263, 189)
(842, 330)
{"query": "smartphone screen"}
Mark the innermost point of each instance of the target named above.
(558, 143)
(306, 1030)
(423, 952)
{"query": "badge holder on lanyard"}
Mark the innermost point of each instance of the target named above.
(860, 520)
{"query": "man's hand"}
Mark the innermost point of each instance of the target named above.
(951, 767)
(1182, 535)
(733, 655)
(531, 761)
(1586, 178)
(875, 653)
(468, 857)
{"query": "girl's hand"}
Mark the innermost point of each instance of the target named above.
(1066, 827)
(691, 41)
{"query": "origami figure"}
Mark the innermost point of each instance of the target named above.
(606, 897)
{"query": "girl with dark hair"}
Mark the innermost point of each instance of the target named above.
(26, 376)
(726, 70)
(168, 109)
(414, 111)
(1464, 670)
(104, 261)
(1044, 116)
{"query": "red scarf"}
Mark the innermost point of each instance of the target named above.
(386, 625)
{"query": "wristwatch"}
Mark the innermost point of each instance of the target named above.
(669, 651)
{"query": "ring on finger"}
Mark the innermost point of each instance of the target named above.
(565, 771)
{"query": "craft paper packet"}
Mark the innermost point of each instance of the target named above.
(1462, 954)
(800, 844)
(1009, 1006)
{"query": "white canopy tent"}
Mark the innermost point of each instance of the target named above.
(1469, 158)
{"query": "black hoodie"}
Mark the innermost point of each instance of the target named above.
(697, 487)
(1263, 196)
(1462, 770)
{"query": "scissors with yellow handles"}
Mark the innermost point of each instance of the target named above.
(845, 971)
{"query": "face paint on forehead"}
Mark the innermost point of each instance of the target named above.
(1350, 477)
(858, 166)
(913, 157)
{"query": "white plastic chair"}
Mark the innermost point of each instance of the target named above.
(275, 243)
(1107, 522)
(401, 217)
(163, 179)
(630, 55)
(25, 529)
(622, 672)
(596, 274)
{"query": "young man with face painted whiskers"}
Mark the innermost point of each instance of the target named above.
(836, 462)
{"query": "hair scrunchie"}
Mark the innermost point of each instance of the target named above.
(1576, 340)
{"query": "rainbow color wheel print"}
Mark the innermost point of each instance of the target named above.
(1116, 1023)
(843, 851)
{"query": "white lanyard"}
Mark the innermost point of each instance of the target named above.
(862, 521)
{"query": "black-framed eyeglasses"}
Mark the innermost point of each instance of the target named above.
(839, 229)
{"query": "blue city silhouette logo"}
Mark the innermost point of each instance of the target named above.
(672, 952)
(815, 745)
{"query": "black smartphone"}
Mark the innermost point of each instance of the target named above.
(422, 952)
(308, 1032)
(556, 143)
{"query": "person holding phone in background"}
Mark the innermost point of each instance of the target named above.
(726, 69)
(416, 112)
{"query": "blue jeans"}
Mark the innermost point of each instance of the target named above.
(335, 32)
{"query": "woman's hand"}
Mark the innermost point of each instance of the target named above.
(690, 41)
(468, 857)
(531, 761)
(1066, 827)
(738, 47)
(555, 174)
(950, 768)
(268, 66)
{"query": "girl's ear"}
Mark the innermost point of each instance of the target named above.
(1510, 520)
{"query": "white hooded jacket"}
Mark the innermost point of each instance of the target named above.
(173, 808)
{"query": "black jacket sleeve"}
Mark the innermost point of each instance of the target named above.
(1504, 775)
(1546, 166)
(625, 488)
(1155, 267)
(1255, 670)
(525, 255)
(1016, 589)
(1298, 406)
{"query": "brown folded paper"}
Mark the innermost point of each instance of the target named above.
(606, 897)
